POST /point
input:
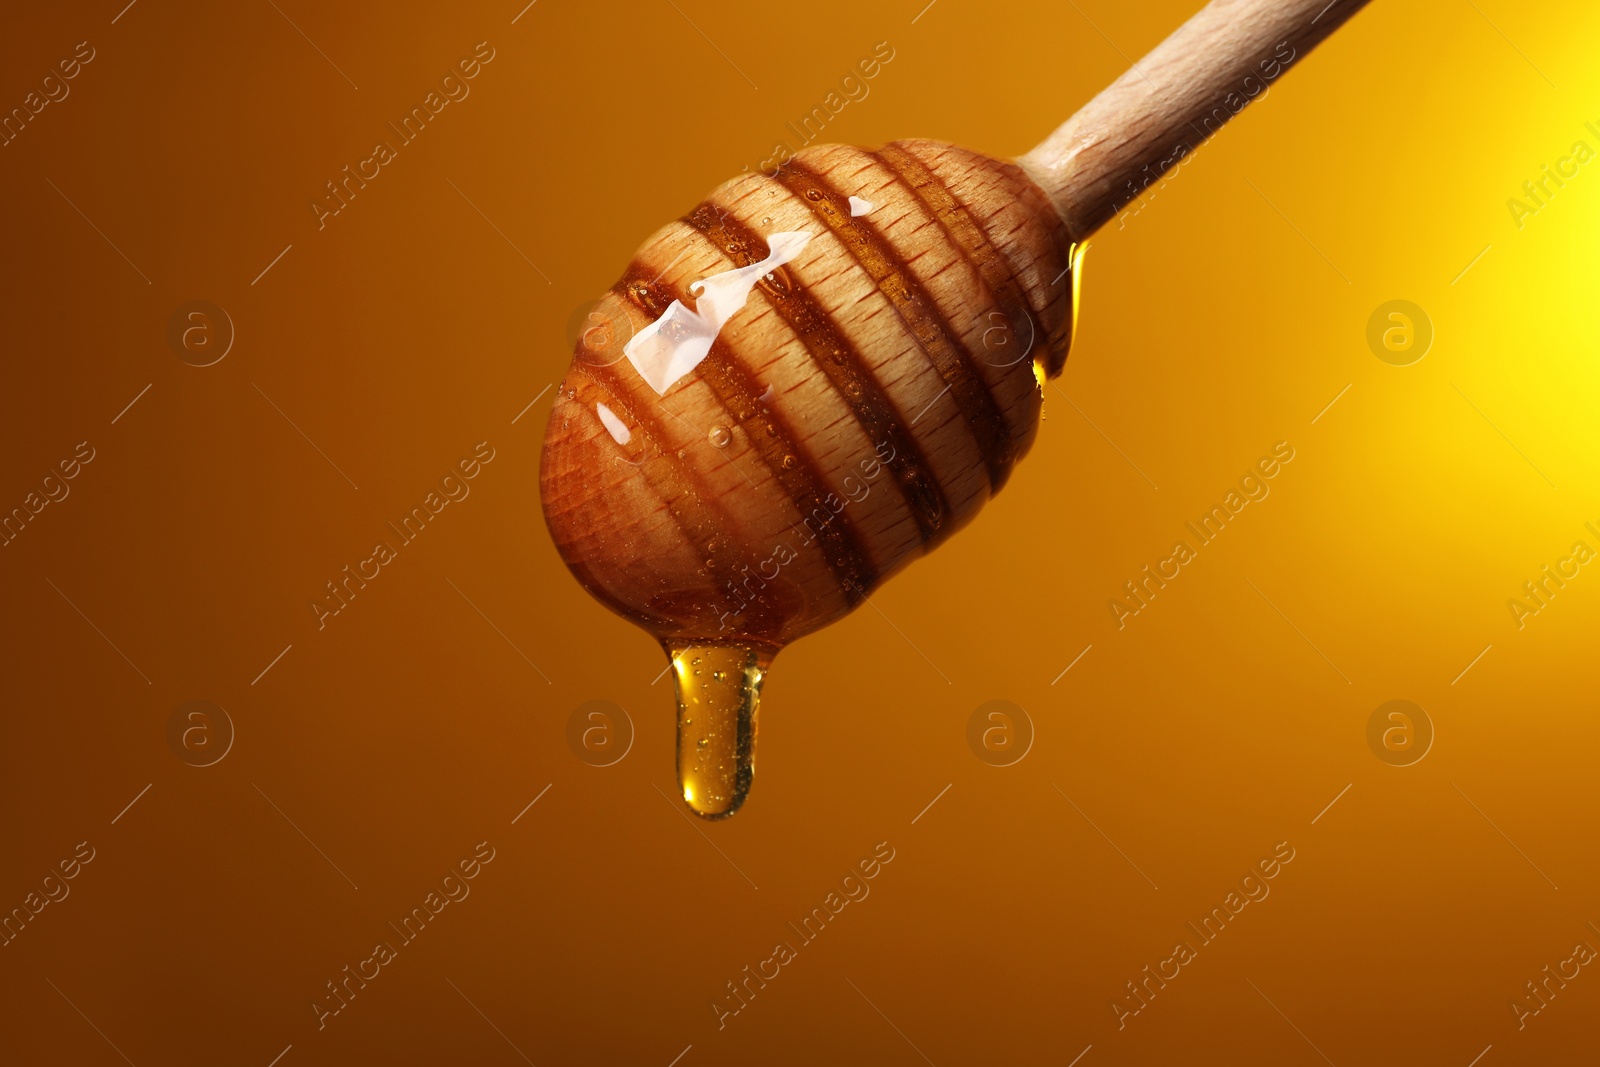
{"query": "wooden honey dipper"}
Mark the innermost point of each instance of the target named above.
(821, 373)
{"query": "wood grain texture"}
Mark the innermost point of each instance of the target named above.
(1164, 108)
(870, 396)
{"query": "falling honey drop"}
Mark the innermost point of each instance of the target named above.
(719, 692)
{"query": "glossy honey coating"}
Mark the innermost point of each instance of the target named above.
(900, 310)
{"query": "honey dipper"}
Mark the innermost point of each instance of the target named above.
(818, 374)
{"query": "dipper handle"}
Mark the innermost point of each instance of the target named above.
(1162, 109)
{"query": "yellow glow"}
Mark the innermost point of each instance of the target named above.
(1075, 254)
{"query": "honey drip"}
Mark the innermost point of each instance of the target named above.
(719, 693)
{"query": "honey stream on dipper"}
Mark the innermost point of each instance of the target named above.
(718, 682)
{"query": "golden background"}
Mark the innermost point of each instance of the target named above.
(431, 314)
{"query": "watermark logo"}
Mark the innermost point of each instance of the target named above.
(200, 733)
(1399, 332)
(200, 333)
(1000, 733)
(599, 732)
(1004, 344)
(599, 330)
(1399, 733)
